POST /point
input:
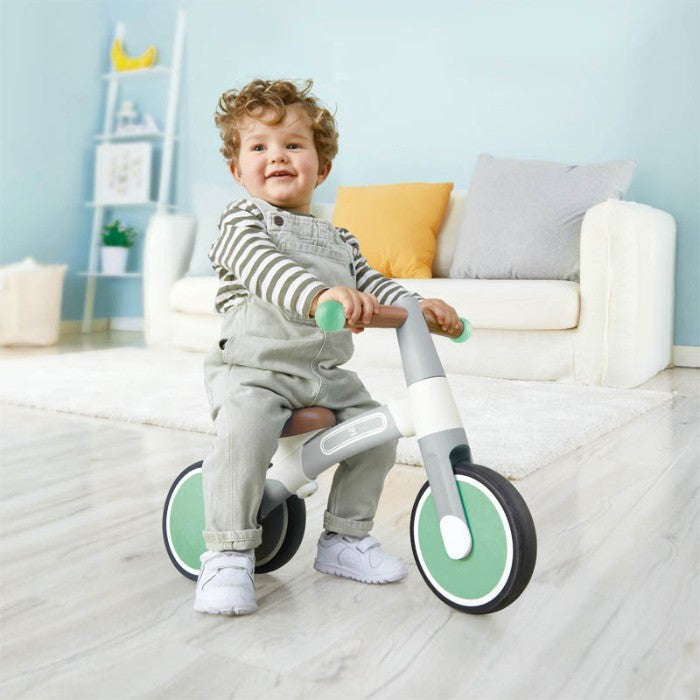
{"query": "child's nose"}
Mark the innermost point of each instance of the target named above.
(278, 156)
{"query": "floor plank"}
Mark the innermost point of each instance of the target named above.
(90, 604)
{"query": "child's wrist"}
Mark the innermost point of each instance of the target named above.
(315, 302)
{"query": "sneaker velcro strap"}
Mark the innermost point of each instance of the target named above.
(228, 561)
(366, 543)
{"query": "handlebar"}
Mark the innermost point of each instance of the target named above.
(330, 316)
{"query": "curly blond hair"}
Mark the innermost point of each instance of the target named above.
(274, 95)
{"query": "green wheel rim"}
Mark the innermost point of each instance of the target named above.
(482, 574)
(185, 522)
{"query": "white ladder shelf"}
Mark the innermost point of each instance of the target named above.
(162, 204)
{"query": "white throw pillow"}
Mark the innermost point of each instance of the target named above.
(210, 200)
(449, 234)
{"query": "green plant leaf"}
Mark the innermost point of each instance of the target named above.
(116, 234)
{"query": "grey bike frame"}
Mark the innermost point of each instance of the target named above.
(428, 412)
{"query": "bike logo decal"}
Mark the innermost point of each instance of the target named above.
(352, 431)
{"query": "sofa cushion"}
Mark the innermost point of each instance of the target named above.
(396, 225)
(446, 240)
(506, 304)
(194, 295)
(448, 234)
(499, 304)
(522, 219)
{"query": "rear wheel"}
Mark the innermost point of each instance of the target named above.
(502, 559)
(183, 523)
(283, 531)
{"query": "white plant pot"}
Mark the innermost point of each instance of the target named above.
(114, 259)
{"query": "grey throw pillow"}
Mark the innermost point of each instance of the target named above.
(522, 218)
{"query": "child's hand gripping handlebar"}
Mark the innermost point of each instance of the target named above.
(330, 316)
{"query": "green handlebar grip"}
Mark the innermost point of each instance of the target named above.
(330, 316)
(465, 333)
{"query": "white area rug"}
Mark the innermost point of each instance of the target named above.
(513, 426)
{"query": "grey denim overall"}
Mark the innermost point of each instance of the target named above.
(273, 361)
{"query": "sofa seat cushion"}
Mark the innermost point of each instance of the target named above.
(498, 304)
(506, 304)
(194, 294)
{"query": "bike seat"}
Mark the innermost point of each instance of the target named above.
(303, 420)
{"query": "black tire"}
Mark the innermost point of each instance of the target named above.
(283, 531)
(510, 559)
(283, 528)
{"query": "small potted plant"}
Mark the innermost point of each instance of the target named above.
(116, 241)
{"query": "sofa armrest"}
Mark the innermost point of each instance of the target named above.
(167, 253)
(625, 332)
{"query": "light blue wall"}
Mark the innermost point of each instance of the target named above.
(49, 108)
(420, 90)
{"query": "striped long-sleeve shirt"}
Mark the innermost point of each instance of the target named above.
(247, 261)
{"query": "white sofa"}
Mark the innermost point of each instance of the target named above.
(614, 328)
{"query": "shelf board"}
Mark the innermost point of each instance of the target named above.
(111, 205)
(138, 73)
(129, 137)
(104, 274)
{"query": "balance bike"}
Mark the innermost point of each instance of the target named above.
(472, 534)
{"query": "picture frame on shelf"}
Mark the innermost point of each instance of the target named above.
(123, 173)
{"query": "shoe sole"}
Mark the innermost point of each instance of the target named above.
(231, 612)
(348, 573)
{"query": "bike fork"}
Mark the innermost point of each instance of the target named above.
(437, 425)
(440, 446)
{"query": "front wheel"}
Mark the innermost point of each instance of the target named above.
(500, 564)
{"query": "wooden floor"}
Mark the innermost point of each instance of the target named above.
(91, 606)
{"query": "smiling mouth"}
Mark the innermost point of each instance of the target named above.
(281, 173)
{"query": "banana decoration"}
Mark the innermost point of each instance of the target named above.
(122, 62)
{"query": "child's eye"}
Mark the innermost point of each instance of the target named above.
(293, 146)
(258, 147)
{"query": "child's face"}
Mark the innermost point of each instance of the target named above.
(279, 163)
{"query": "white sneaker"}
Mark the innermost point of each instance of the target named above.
(225, 585)
(359, 558)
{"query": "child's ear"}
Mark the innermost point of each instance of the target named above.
(235, 170)
(323, 173)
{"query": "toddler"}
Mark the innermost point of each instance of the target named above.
(276, 264)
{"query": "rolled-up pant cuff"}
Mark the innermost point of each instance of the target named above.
(232, 539)
(342, 526)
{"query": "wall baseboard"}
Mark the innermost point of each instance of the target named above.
(686, 356)
(126, 323)
(99, 325)
(102, 325)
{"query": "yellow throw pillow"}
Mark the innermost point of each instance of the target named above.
(396, 225)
